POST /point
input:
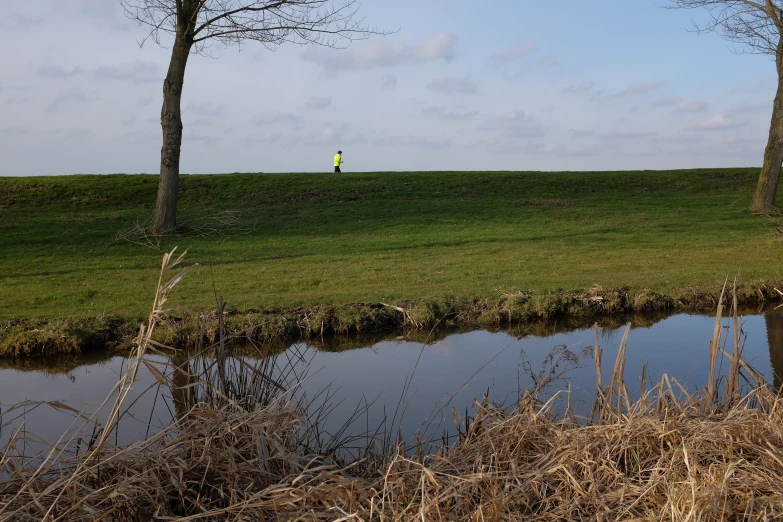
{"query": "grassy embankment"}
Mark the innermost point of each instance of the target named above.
(302, 249)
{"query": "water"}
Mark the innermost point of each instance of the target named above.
(415, 385)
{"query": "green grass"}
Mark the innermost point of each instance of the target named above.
(320, 239)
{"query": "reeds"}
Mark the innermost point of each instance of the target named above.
(241, 447)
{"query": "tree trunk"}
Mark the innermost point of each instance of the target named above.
(767, 187)
(164, 221)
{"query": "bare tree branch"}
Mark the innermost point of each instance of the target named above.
(756, 25)
(332, 23)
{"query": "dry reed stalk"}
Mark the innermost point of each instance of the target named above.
(732, 391)
(600, 400)
(616, 383)
(715, 345)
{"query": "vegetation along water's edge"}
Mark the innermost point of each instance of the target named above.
(31, 338)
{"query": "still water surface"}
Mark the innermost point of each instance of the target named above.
(445, 374)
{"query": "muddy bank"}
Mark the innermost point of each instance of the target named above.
(526, 312)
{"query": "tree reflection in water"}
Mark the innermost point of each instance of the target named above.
(774, 322)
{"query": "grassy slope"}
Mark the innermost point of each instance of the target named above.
(312, 239)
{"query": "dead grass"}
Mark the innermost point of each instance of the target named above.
(209, 226)
(711, 456)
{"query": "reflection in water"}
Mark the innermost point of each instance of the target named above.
(774, 322)
(445, 371)
(181, 381)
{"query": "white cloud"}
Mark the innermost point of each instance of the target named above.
(680, 139)
(105, 11)
(626, 135)
(681, 105)
(453, 113)
(16, 130)
(717, 122)
(744, 108)
(602, 94)
(450, 85)
(582, 152)
(575, 133)
(271, 136)
(413, 141)
(318, 102)
(135, 72)
(549, 60)
(72, 95)
(759, 142)
(50, 71)
(389, 82)
(207, 139)
(203, 122)
(143, 137)
(691, 106)
(439, 47)
(640, 88)
(666, 102)
(542, 148)
(274, 118)
(383, 54)
(20, 21)
(78, 134)
(547, 148)
(514, 53)
(642, 152)
(19, 95)
(266, 137)
(763, 84)
(514, 125)
(579, 88)
(339, 134)
(204, 109)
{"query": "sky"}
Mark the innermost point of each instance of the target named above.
(457, 85)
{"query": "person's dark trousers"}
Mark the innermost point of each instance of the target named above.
(337, 169)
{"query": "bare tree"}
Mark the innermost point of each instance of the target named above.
(757, 25)
(195, 24)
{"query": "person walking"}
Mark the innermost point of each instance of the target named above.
(338, 160)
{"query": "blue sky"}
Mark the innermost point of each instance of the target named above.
(515, 85)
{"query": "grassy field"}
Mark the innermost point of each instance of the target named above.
(300, 240)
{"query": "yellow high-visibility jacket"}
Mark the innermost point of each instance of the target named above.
(338, 160)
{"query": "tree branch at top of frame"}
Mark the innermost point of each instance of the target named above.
(271, 22)
(757, 25)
